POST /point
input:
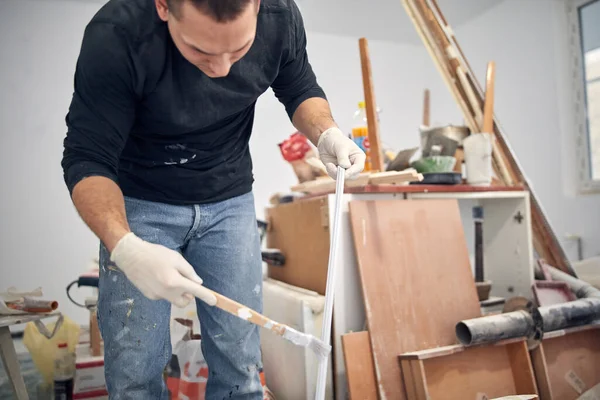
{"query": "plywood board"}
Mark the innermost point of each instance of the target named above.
(471, 373)
(567, 365)
(300, 230)
(416, 279)
(360, 371)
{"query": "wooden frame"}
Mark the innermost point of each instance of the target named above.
(567, 362)
(476, 372)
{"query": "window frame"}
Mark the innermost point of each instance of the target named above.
(584, 151)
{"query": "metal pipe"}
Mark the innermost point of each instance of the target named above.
(495, 327)
(581, 288)
(566, 315)
(532, 323)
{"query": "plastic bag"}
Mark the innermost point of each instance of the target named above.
(296, 150)
(187, 373)
(42, 341)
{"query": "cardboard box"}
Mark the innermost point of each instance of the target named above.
(89, 375)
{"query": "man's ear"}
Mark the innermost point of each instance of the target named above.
(257, 6)
(162, 9)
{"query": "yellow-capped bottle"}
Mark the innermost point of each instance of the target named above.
(360, 132)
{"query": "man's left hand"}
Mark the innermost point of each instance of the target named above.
(337, 149)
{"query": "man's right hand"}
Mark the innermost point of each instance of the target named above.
(159, 272)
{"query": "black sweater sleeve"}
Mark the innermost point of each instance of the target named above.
(296, 80)
(102, 109)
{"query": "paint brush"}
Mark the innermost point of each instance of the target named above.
(320, 348)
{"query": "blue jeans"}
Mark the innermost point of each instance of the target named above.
(221, 241)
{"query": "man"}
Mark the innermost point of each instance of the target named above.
(157, 162)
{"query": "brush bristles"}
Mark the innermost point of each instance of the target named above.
(320, 348)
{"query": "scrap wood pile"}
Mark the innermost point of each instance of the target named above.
(427, 338)
(326, 184)
(441, 43)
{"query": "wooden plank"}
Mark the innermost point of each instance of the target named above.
(522, 369)
(577, 355)
(300, 231)
(420, 379)
(399, 273)
(375, 152)
(540, 368)
(488, 111)
(453, 349)
(439, 60)
(362, 384)
(395, 177)
(409, 383)
(326, 184)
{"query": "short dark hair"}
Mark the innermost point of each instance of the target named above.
(220, 10)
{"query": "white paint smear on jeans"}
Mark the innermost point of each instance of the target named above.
(122, 333)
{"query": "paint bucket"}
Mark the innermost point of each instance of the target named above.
(478, 158)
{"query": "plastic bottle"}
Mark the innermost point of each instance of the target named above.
(360, 132)
(64, 373)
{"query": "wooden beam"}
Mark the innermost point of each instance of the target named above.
(375, 152)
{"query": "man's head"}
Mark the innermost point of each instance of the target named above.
(211, 34)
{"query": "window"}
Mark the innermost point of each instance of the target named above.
(585, 24)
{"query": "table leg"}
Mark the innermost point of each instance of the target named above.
(11, 363)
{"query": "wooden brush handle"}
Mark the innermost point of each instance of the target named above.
(488, 110)
(426, 108)
(243, 312)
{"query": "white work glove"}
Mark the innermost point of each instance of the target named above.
(159, 272)
(337, 149)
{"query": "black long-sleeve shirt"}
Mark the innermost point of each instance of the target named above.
(145, 117)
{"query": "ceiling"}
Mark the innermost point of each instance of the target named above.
(381, 19)
(377, 19)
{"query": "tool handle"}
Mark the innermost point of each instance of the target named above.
(488, 110)
(243, 312)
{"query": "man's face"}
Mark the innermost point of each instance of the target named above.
(211, 46)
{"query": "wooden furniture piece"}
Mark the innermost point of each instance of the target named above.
(567, 362)
(362, 383)
(9, 354)
(414, 295)
(301, 230)
(478, 372)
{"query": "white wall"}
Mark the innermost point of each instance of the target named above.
(44, 243)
